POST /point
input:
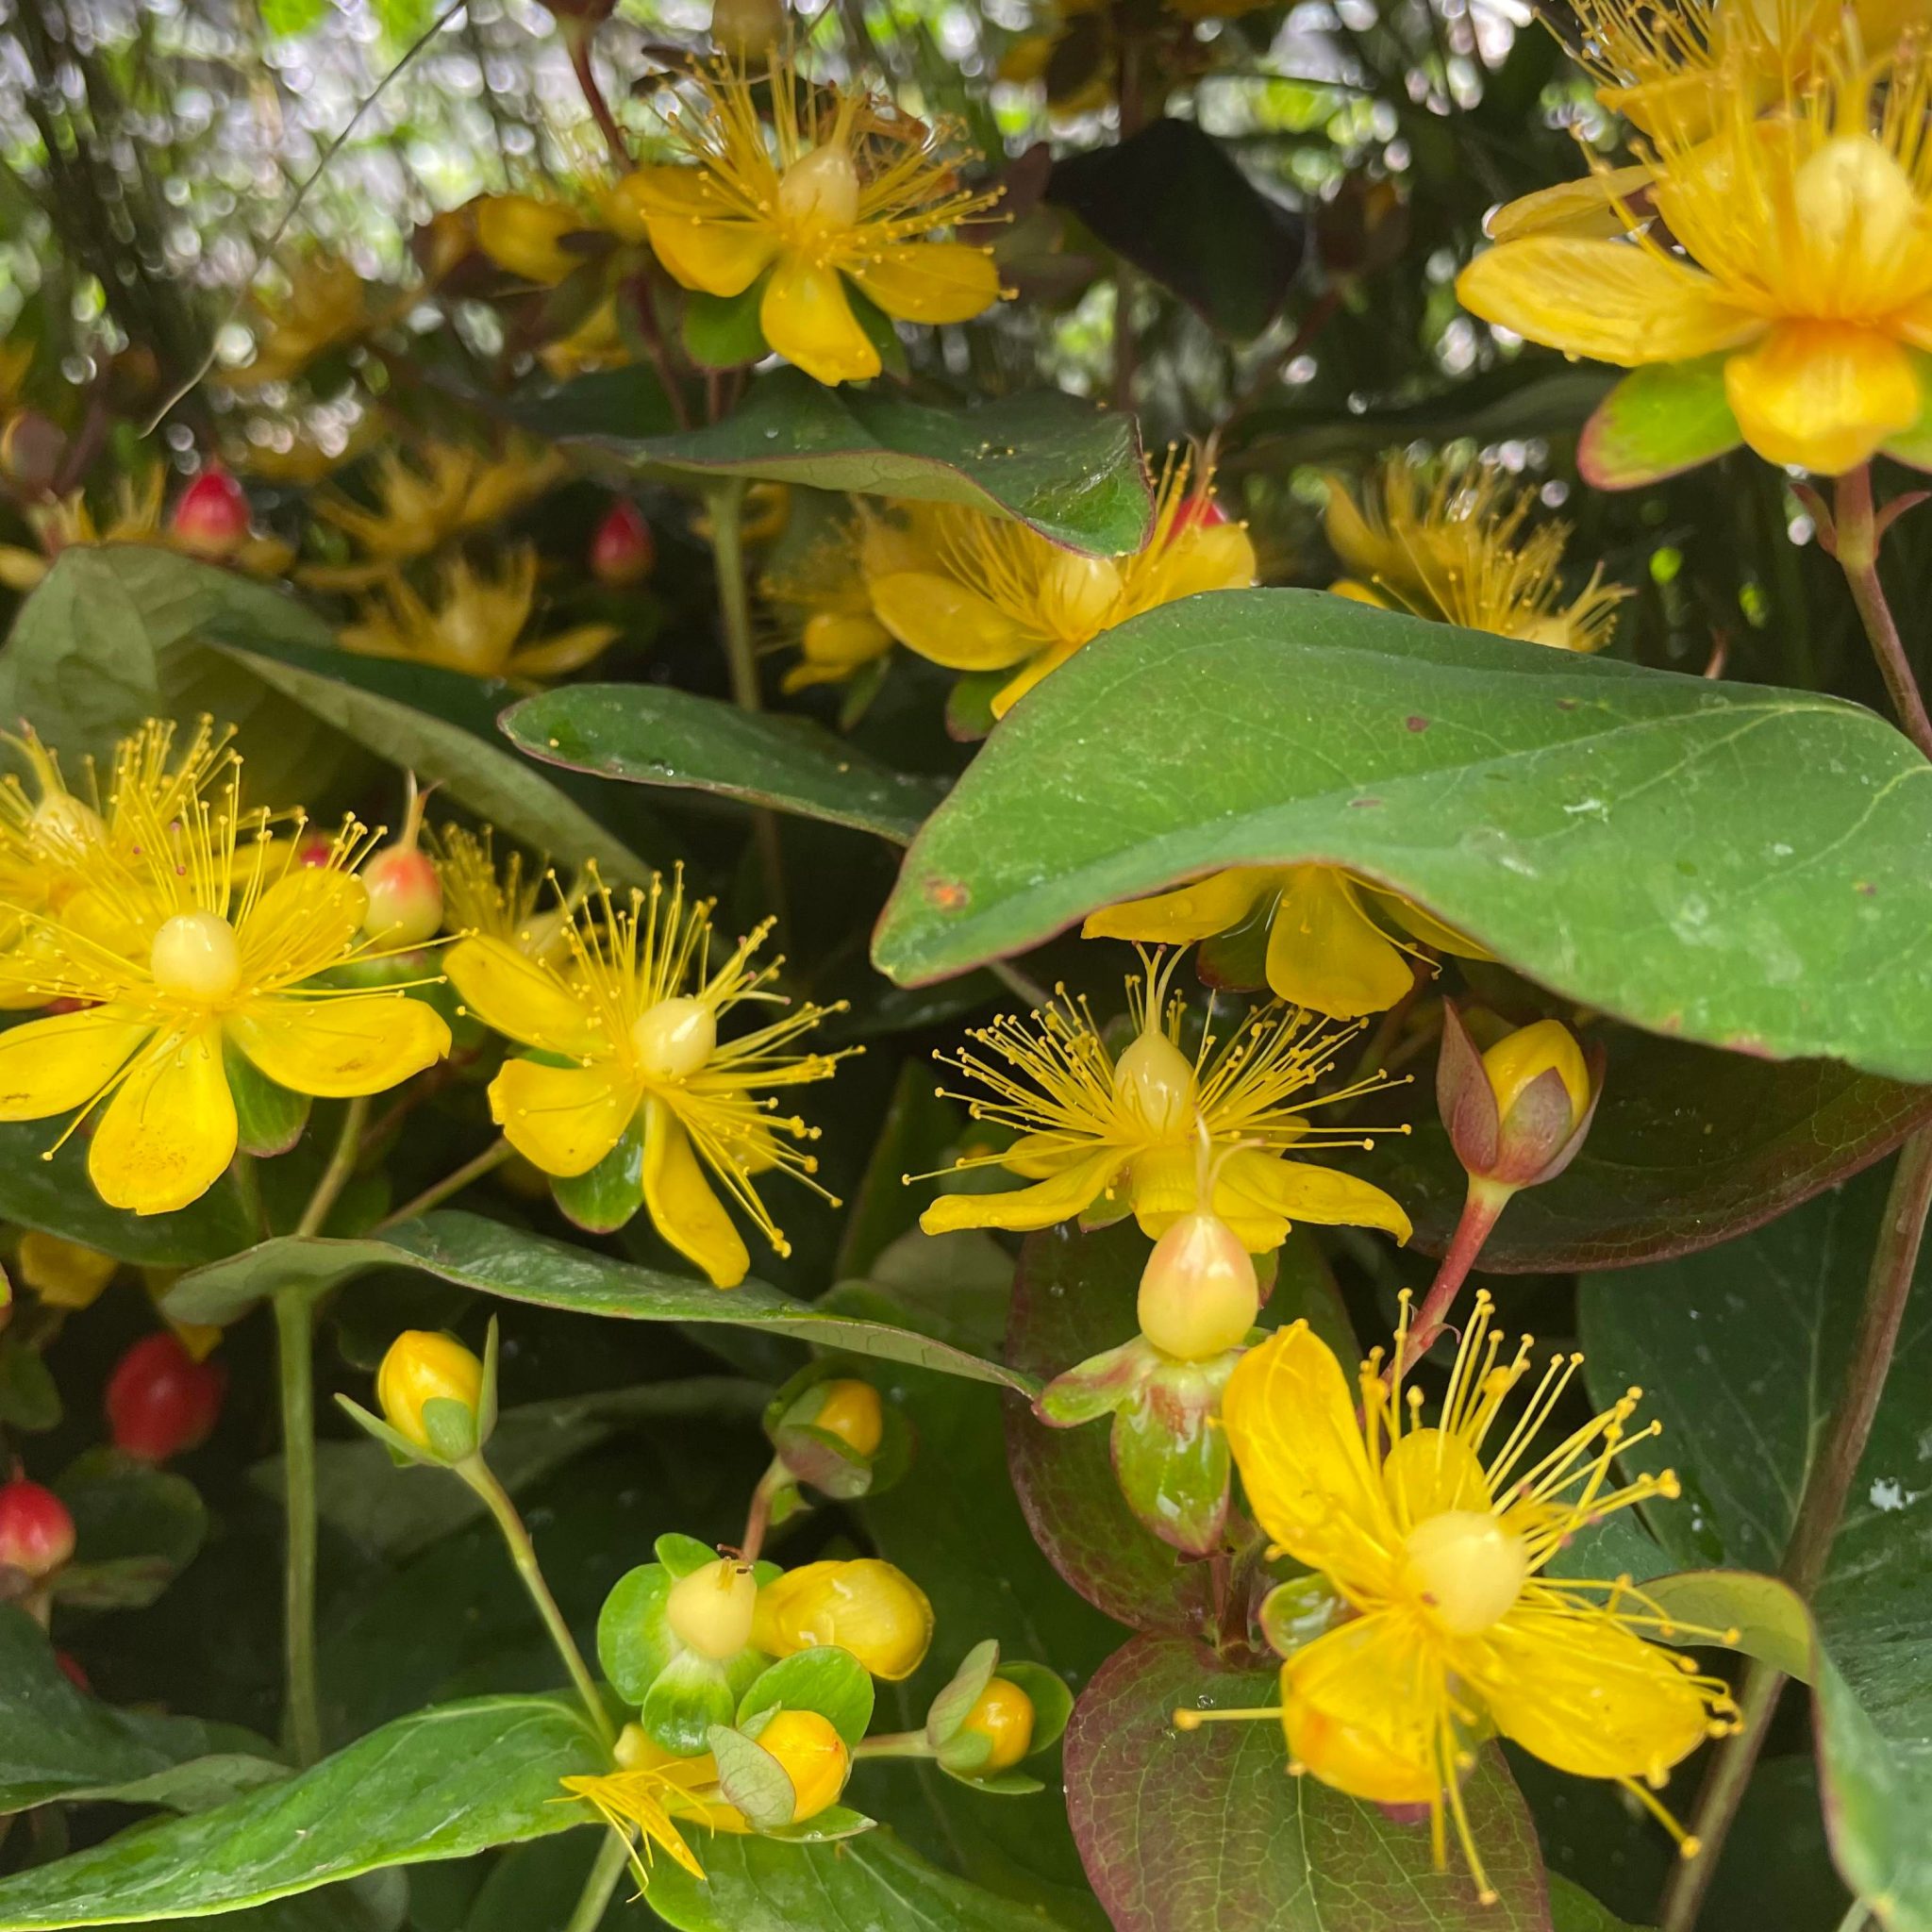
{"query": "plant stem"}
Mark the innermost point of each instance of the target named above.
(1856, 546)
(523, 1552)
(594, 1900)
(757, 1518)
(341, 1164)
(577, 35)
(1827, 1483)
(894, 1744)
(295, 1351)
(1481, 1210)
(488, 1161)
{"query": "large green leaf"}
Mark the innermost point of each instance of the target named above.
(443, 1784)
(1204, 1830)
(1070, 471)
(1731, 864)
(57, 1742)
(648, 734)
(494, 1259)
(1740, 1351)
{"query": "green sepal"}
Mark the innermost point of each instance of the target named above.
(1098, 1386)
(1658, 422)
(691, 1697)
(954, 1704)
(861, 688)
(823, 1827)
(963, 1755)
(606, 1198)
(1171, 1456)
(486, 1401)
(451, 1426)
(751, 1779)
(269, 1118)
(1294, 1614)
(634, 1640)
(723, 331)
(880, 331)
(403, 1451)
(1001, 1784)
(968, 704)
(825, 1679)
(681, 1554)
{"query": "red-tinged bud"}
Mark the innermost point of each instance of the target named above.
(1518, 1113)
(623, 551)
(211, 518)
(405, 896)
(161, 1402)
(36, 1531)
(70, 1668)
(314, 849)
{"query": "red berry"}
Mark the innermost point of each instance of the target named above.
(624, 551)
(36, 1531)
(405, 896)
(71, 1670)
(211, 517)
(161, 1401)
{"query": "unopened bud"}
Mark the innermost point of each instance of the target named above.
(211, 517)
(1004, 1715)
(36, 1531)
(161, 1402)
(867, 1607)
(405, 896)
(850, 1410)
(813, 1756)
(710, 1609)
(1199, 1295)
(623, 551)
(1518, 1113)
(420, 1369)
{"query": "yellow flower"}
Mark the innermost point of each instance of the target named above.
(1434, 1545)
(326, 304)
(628, 1025)
(839, 189)
(1798, 247)
(64, 1274)
(301, 454)
(1129, 1130)
(823, 594)
(422, 502)
(198, 945)
(988, 594)
(524, 233)
(476, 624)
(865, 1606)
(481, 901)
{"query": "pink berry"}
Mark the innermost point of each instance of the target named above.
(211, 517)
(160, 1401)
(624, 550)
(36, 1531)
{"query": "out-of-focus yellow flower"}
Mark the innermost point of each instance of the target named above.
(596, 342)
(524, 233)
(475, 625)
(16, 360)
(308, 458)
(187, 947)
(763, 518)
(840, 187)
(327, 303)
(1796, 245)
(1129, 1130)
(1434, 1545)
(864, 1606)
(63, 1274)
(985, 593)
(481, 900)
(137, 519)
(823, 594)
(628, 1028)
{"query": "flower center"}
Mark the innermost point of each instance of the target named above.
(710, 1610)
(1076, 593)
(819, 190)
(1467, 1569)
(1856, 198)
(674, 1039)
(195, 957)
(1157, 1078)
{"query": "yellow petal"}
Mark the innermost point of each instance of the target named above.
(680, 1201)
(562, 652)
(1289, 1412)
(325, 907)
(1575, 208)
(1326, 954)
(64, 1274)
(1062, 1196)
(1298, 1190)
(941, 619)
(1610, 300)
(520, 999)
(807, 319)
(1195, 911)
(563, 1120)
(1208, 556)
(168, 1135)
(338, 1047)
(929, 281)
(1421, 924)
(717, 254)
(1164, 1186)
(1363, 1707)
(53, 1066)
(1429, 1470)
(1585, 1694)
(1821, 395)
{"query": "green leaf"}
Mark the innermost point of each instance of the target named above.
(824, 1678)
(607, 1196)
(443, 1784)
(58, 1741)
(1145, 197)
(28, 1398)
(1657, 422)
(1572, 1910)
(494, 1259)
(690, 1698)
(1726, 863)
(648, 734)
(1054, 464)
(1152, 1807)
(269, 1118)
(723, 331)
(136, 1528)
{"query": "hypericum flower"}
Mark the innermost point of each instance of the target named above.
(986, 594)
(628, 1023)
(1127, 1130)
(524, 233)
(198, 942)
(1797, 247)
(476, 624)
(481, 900)
(869, 1607)
(841, 187)
(823, 592)
(327, 303)
(423, 500)
(1428, 1545)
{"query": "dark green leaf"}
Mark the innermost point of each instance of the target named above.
(28, 1398)
(269, 1118)
(723, 331)
(1727, 863)
(1572, 1910)
(136, 1528)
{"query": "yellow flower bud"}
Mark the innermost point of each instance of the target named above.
(1527, 1055)
(1198, 1291)
(420, 1368)
(63, 1274)
(851, 1411)
(814, 1757)
(866, 1607)
(710, 1610)
(522, 234)
(1004, 1713)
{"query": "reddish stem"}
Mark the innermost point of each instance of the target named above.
(1480, 1211)
(1856, 539)
(576, 37)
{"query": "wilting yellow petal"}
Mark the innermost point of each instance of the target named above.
(338, 1047)
(1821, 395)
(1583, 209)
(53, 1066)
(1059, 1198)
(1610, 300)
(1363, 1710)
(680, 1201)
(1326, 954)
(516, 997)
(1191, 912)
(1298, 1190)
(563, 1120)
(941, 619)
(928, 281)
(807, 319)
(168, 1135)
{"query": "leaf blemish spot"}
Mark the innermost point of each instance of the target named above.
(949, 895)
(1415, 723)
